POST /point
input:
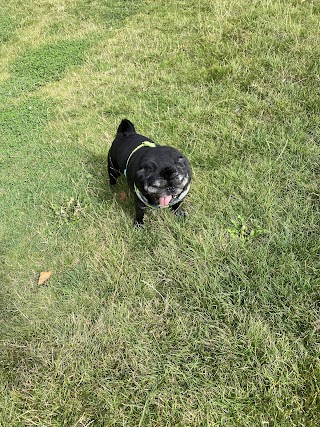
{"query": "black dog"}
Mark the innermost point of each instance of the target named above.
(157, 176)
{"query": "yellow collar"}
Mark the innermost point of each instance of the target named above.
(143, 144)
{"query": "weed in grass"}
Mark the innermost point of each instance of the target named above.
(70, 211)
(241, 230)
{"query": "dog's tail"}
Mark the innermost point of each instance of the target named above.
(126, 128)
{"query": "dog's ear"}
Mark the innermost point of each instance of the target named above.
(182, 161)
(146, 170)
(126, 128)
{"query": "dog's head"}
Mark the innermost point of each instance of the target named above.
(164, 173)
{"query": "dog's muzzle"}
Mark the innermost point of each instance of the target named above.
(173, 200)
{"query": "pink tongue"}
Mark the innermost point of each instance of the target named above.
(164, 201)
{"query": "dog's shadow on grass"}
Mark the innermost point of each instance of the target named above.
(99, 187)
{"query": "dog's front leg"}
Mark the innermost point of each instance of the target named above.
(140, 208)
(177, 211)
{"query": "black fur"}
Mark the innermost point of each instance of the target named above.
(158, 172)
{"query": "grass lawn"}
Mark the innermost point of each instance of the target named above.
(208, 321)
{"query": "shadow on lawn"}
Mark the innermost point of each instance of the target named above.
(97, 171)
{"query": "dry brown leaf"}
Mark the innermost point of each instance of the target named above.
(44, 276)
(122, 196)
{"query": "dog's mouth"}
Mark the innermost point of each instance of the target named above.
(164, 201)
(164, 195)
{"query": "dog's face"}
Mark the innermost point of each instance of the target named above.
(164, 177)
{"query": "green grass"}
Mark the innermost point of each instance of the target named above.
(7, 27)
(208, 321)
(47, 63)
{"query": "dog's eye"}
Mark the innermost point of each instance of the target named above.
(182, 161)
(156, 184)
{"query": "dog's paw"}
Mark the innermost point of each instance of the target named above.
(181, 213)
(138, 225)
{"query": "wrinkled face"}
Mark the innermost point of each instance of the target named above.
(164, 182)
